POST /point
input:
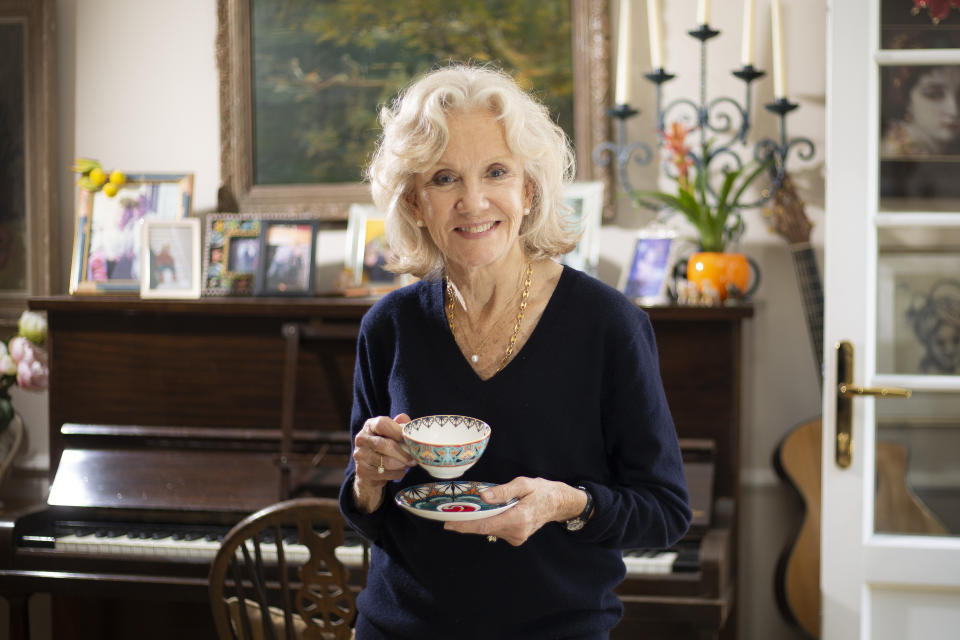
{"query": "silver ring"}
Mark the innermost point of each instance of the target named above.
(380, 469)
(491, 538)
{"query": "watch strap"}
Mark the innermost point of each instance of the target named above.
(578, 523)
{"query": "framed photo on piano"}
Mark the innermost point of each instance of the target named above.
(106, 248)
(171, 259)
(285, 266)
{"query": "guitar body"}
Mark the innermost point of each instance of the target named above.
(797, 462)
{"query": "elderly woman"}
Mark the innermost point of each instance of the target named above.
(564, 368)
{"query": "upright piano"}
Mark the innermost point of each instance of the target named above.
(165, 429)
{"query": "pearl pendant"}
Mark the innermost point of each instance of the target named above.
(474, 358)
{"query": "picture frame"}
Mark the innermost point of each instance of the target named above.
(285, 266)
(918, 298)
(226, 234)
(171, 264)
(367, 251)
(29, 231)
(317, 67)
(646, 278)
(585, 200)
(106, 249)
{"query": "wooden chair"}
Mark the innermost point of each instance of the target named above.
(260, 591)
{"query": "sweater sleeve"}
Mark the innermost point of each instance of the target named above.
(369, 400)
(646, 504)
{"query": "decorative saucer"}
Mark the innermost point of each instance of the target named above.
(450, 500)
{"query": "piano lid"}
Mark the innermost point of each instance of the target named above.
(173, 479)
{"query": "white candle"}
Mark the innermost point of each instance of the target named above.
(623, 54)
(656, 38)
(746, 50)
(779, 70)
(703, 12)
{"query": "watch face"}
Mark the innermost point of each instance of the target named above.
(576, 524)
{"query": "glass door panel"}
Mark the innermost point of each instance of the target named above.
(918, 301)
(903, 26)
(918, 477)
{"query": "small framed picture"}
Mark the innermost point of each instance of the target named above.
(106, 249)
(285, 266)
(367, 250)
(585, 200)
(646, 278)
(171, 264)
(231, 251)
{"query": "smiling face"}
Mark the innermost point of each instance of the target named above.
(934, 104)
(472, 200)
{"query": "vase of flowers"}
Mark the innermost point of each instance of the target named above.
(713, 213)
(23, 363)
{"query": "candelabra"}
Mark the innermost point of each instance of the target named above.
(711, 117)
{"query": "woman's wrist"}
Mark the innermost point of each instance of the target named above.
(572, 503)
(367, 495)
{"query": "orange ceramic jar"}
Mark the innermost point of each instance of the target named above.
(720, 270)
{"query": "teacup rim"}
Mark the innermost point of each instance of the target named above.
(446, 415)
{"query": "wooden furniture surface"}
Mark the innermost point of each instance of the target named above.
(171, 411)
(309, 598)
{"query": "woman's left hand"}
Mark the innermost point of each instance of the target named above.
(540, 502)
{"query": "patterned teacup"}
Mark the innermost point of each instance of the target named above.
(446, 446)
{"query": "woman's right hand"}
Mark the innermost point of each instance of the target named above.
(378, 457)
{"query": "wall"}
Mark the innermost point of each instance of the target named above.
(138, 91)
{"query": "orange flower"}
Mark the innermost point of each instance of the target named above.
(674, 142)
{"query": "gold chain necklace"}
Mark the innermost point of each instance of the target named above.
(451, 309)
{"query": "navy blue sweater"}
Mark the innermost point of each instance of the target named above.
(582, 403)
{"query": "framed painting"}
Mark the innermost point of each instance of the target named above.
(107, 245)
(301, 84)
(171, 264)
(286, 263)
(585, 200)
(29, 240)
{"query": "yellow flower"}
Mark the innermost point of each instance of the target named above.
(97, 176)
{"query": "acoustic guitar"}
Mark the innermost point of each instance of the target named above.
(797, 459)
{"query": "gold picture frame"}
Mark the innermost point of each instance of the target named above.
(107, 244)
(28, 155)
(240, 190)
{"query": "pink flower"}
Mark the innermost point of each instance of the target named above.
(32, 376)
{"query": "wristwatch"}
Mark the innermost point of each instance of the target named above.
(577, 523)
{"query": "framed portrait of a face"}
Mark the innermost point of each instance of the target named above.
(107, 247)
(286, 258)
(919, 137)
(171, 259)
(918, 313)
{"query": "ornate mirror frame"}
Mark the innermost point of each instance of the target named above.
(238, 193)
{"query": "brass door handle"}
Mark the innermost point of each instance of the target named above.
(851, 391)
(846, 392)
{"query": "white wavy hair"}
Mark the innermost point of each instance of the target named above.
(415, 135)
